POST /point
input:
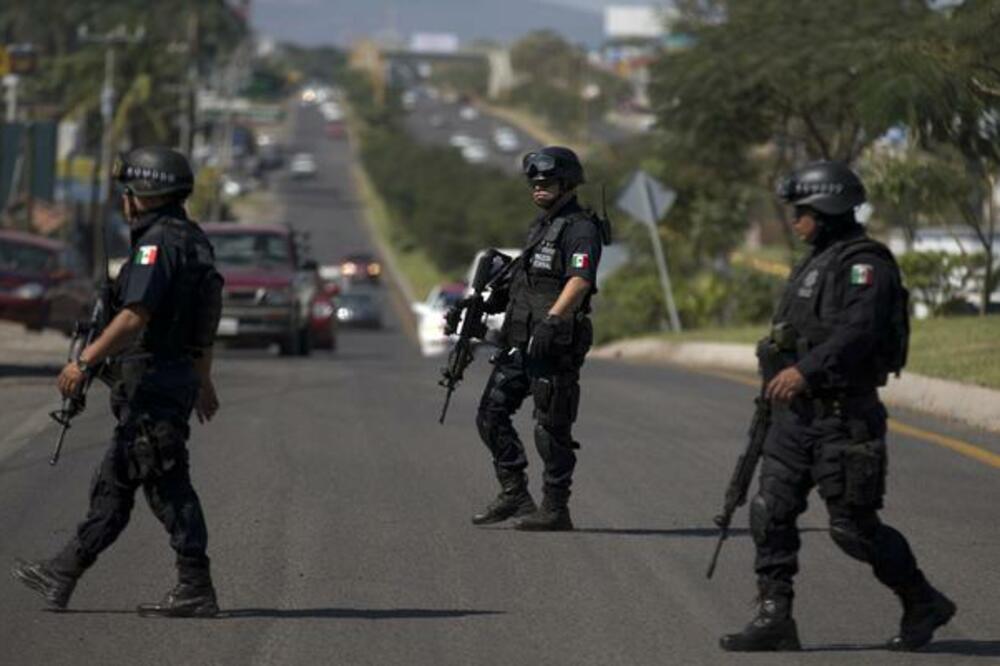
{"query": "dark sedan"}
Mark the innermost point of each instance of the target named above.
(359, 309)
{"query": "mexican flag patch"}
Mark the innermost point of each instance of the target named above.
(580, 260)
(862, 274)
(146, 256)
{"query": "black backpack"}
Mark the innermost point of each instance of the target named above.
(894, 347)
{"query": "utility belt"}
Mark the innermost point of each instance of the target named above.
(131, 370)
(842, 405)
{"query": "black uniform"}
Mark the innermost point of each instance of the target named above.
(840, 302)
(567, 245)
(170, 273)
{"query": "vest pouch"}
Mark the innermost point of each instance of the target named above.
(157, 449)
(864, 473)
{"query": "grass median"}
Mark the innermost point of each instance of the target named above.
(417, 268)
(962, 349)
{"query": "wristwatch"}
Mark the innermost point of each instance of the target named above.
(83, 366)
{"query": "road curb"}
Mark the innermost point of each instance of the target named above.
(973, 405)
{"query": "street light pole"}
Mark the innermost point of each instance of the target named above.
(110, 40)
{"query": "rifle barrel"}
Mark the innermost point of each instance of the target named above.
(447, 401)
(715, 555)
(59, 444)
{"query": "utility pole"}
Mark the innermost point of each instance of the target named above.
(189, 91)
(224, 134)
(111, 39)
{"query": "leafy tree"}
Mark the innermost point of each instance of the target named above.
(946, 85)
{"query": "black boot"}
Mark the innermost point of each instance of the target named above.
(514, 500)
(552, 516)
(193, 596)
(55, 585)
(772, 630)
(924, 610)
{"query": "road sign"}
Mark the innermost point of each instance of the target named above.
(648, 200)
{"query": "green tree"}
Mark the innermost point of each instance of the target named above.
(946, 86)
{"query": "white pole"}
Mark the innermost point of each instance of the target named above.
(11, 81)
(661, 264)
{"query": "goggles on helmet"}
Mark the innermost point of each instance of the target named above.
(538, 165)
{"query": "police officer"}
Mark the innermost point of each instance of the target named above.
(545, 336)
(165, 309)
(840, 329)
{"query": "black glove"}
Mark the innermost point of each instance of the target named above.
(546, 335)
(453, 316)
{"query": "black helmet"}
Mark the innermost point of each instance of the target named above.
(555, 162)
(154, 171)
(829, 187)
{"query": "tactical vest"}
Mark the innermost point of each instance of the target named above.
(177, 329)
(538, 281)
(813, 300)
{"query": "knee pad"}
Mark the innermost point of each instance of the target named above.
(853, 539)
(760, 518)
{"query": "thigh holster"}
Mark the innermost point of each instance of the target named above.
(557, 399)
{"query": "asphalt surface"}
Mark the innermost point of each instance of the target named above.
(338, 513)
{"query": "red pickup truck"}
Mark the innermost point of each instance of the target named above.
(43, 283)
(272, 293)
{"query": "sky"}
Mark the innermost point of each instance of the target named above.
(314, 22)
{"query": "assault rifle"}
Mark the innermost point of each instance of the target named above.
(473, 324)
(739, 484)
(84, 333)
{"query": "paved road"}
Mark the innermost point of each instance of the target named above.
(338, 512)
(436, 121)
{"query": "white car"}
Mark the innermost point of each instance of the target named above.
(430, 318)
(468, 112)
(506, 140)
(331, 111)
(303, 165)
(460, 140)
(475, 152)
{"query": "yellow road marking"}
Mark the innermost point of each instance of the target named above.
(958, 446)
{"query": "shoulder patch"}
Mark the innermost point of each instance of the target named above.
(146, 255)
(580, 260)
(862, 274)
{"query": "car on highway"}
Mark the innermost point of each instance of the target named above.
(468, 112)
(43, 282)
(430, 317)
(303, 166)
(359, 308)
(335, 129)
(475, 152)
(506, 140)
(272, 294)
(460, 140)
(360, 266)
